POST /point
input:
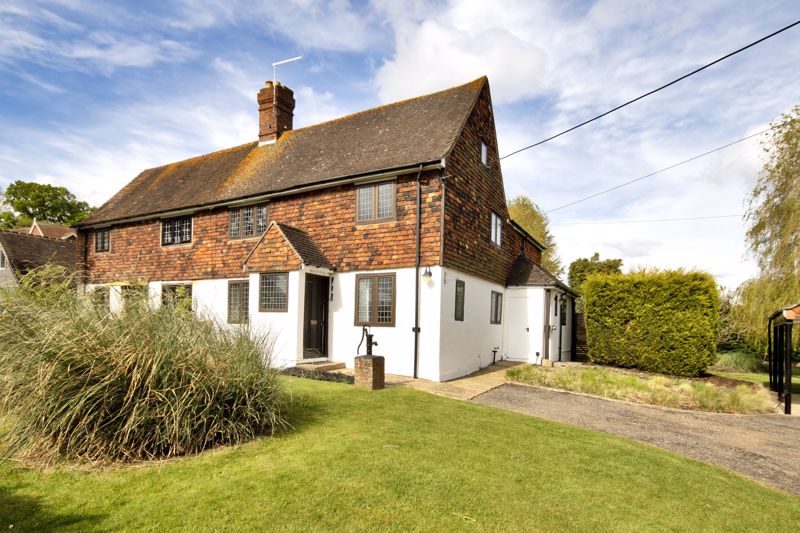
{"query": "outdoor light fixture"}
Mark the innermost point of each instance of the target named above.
(427, 274)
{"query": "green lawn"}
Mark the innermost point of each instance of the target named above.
(402, 460)
(761, 378)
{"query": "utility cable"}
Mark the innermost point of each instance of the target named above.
(645, 95)
(598, 222)
(624, 184)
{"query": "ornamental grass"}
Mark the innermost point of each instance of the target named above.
(80, 383)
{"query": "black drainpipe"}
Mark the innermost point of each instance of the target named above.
(416, 277)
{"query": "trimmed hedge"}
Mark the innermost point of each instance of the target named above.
(659, 321)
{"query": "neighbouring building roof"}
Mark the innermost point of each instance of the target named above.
(53, 231)
(393, 136)
(526, 272)
(26, 252)
(310, 254)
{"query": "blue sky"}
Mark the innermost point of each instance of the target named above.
(91, 93)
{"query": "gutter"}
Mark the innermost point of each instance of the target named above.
(325, 184)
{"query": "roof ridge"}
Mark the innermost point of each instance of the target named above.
(481, 79)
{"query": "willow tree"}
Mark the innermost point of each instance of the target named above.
(773, 233)
(773, 213)
(528, 215)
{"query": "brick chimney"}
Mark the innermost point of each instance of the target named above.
(273, 122)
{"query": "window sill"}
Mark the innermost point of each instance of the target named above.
(174, 246)
(363, 223)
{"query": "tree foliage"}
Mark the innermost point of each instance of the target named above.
(582, 268)
(773, 235)
(528, 215)
(23, 201)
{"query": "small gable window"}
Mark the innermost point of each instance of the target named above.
(497, 229)
(273, 292)
(460, 289)
(484, 154)
(176, 231)
(238, 298)
(102, 240)
(375, 300)
(375, 202)
(247, 221)
(496, 312)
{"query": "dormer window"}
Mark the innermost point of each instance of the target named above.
(484, 154)
(497, 229)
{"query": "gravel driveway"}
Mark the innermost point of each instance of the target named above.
(763, 447)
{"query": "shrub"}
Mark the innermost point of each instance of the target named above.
(77, 382)
(740, 361)
(658, 321)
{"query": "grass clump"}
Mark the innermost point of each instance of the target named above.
(659, 390)
(77, 382)
(739, 361)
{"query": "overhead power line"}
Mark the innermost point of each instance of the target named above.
(599, 222)
(640, 178)
(645, 95)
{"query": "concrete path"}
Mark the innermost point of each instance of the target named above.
(763, 447)
(464, 388)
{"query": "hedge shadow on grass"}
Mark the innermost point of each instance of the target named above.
(23, 512)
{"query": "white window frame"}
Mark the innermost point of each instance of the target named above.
(484, 154)
(497, 230)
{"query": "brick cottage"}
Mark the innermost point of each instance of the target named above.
(393, 218)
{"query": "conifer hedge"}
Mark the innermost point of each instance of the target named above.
(659, 321)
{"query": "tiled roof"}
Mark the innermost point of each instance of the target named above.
(26, 252)
(526, 272)
(310, 254)
(54, 230)
(398, 135)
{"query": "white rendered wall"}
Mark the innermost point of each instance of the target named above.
(524, 324)
(395, 343)
(466, 347)
(284, 328)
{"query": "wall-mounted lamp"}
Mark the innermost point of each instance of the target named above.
(427, 274)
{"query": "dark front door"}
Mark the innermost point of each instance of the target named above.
(315, 324)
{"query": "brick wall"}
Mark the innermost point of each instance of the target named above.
(327, 215)
(473, 192)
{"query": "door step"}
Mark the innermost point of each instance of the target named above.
(323, 366)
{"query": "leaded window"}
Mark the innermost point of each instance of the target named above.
(238, 298)
(178, 296)
(247, 221)
(273, 292)
(376, 202)
(176, 231)
(375, 300)
(102, 240)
